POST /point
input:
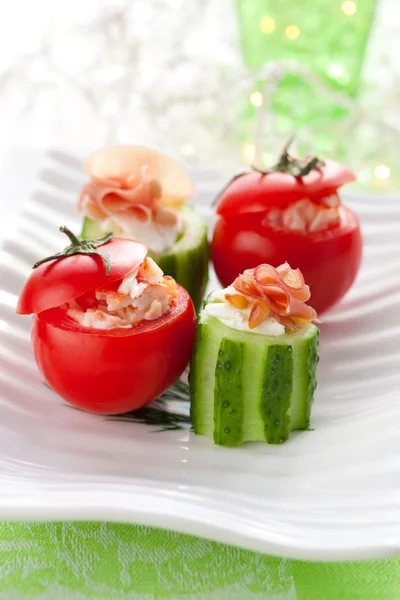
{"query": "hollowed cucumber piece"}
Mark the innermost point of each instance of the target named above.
(186, 260)
(251, 387)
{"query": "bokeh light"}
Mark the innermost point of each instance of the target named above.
(349, 7)
(382, 172)
(256, 99)
(267, 25)
(249, 152)
(292, 32)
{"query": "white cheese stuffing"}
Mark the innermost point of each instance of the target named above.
(238, 318)
(157, 237)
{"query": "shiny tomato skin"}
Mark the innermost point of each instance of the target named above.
(256, 192)
(54, 283)
(329, 259)
(114, 371)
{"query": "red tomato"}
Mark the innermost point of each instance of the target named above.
(256, 191)
(328, 259)
(56, 282)
(104, 371)
(118, 370)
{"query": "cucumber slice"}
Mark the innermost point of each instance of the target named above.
(91, 230)
(276, 392)
(250, 387)
(228, 394)
(187, 259)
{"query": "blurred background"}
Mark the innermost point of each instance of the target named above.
(212, 82)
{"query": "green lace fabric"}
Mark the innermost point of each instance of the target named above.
(80, 560)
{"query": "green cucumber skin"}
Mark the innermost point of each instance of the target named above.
(186, 261)
(90, 230)
(188, 267)
(276, 394)
(228, 394)
(313, 360)
(202, 368)
(290, 398)
(197, 404)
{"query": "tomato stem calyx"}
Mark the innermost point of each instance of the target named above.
(298, 167)
(79, 246)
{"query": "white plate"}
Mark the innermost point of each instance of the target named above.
(328, 494)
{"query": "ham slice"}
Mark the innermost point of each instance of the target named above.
(121, 162)
(134, 182)
(278, 293)
(101, 199)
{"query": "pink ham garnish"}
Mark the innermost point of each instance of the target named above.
(274, 293)
(134, 182)
(114, 305)
(135, 197)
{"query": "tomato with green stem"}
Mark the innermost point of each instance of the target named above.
(292, 213)
(106, 371)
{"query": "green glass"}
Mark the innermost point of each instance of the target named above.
(329, 37)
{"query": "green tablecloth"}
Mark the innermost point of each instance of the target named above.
(76, 561)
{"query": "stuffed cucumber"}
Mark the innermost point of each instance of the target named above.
(186, 260)
(138, 193)
(253, 369)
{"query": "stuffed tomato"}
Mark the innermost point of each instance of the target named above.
(110, 332)
(140, 194)
(291, 212)
(253, 369)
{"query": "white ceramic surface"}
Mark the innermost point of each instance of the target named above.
(328, 494)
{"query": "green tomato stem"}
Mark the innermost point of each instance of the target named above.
(79, 246)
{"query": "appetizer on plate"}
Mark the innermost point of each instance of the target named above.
(253, 369)
(140, 194)
(110, 332)
(290, 212)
